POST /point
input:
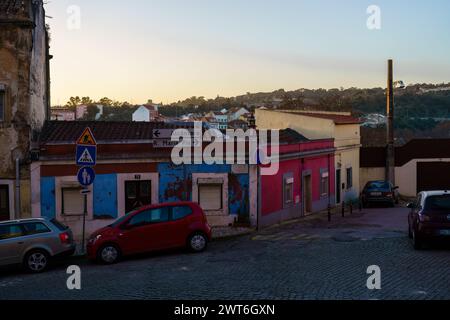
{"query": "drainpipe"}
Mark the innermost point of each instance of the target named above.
(17, 193)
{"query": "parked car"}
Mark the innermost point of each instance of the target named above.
(429, 217)
(382, 192)
(33, 242)
(154, 227)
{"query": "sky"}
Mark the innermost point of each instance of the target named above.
(169, 50)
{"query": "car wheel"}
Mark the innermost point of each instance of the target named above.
(417, 242)
(36, 261)
(197, 242)
(108, 254)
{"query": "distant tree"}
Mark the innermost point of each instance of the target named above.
(105, 101)
(86, 101)
(91, 113)
(73, 101)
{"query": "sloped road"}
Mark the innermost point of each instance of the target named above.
(309, 259)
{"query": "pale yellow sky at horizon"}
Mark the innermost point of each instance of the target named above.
(170, 51)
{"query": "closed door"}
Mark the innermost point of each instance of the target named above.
(181, 218)
(4, 203)
(146, 231)
(433, 176)
(307, 194)
(11, 243)
(338, 186)
(137, 194)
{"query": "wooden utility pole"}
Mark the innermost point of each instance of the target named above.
(390, 151)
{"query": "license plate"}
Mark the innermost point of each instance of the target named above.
(444, 232)
(376, 194)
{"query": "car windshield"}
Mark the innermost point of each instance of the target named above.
(378, 185)
(122, 219)
(438, 203)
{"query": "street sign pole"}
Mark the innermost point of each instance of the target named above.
(86, 157)
(84, 223)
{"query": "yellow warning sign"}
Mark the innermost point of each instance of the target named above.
(87, 138)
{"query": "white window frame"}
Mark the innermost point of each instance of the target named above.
(212, 178)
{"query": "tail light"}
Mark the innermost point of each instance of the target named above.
(64, 237)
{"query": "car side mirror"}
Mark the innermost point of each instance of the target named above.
(410, 205)
(396, 188)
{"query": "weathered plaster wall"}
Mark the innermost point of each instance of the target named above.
(38, 69)
(15, 48)
(23, 75)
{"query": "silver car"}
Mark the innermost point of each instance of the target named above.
(33, 242)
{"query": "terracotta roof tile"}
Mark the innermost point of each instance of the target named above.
(70, 131)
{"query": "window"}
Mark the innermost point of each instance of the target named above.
(288, 190)
(180, 212)
(59, 225)
(150, 216)
(2, 104)
(72, 201)
(324, 183)
(349, 178)
(438, 203)
(10, 231)
(210, 196)
(35, 228)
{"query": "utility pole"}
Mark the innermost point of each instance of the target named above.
(390, 151)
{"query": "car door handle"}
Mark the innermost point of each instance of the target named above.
(20, 242)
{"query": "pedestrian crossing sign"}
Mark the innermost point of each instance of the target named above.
(87, 138)
(86, 155)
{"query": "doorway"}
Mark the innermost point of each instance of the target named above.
(137, 194)
(4, 203)
(307, 194)
(338, 186)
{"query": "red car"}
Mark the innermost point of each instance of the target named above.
(150, 228)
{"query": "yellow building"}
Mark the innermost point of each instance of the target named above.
(341, 126)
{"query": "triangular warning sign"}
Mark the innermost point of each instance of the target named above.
(87, 138)
(86, 157)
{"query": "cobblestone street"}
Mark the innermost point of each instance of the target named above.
(306, 259)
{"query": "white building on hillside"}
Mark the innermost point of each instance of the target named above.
(146, 113)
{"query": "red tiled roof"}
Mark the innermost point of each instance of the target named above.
(337, 118)
(70, 131)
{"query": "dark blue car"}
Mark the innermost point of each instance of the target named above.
(381, 192)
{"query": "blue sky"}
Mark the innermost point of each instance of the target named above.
(172, 49)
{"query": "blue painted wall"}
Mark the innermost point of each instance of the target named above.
(105, 196)
(175, 184)
(48, 198)
(239, 194)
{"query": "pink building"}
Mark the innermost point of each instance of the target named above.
(81, 111)
(304, 183)
(62, 114)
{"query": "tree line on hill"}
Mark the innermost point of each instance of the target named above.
(418, 108)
